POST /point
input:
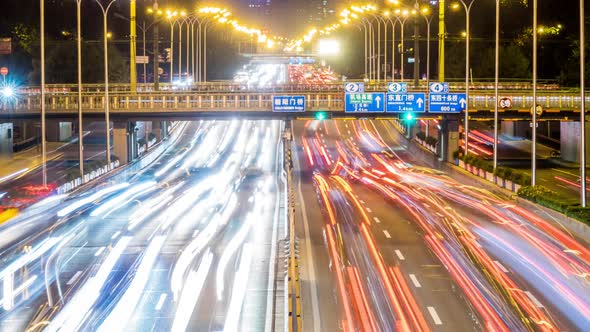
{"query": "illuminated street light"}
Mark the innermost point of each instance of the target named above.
(7, 92)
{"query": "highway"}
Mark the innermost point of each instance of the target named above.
(186, 243)
(390, 244)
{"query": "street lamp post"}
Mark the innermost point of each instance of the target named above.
(428, 20)
(43, 143)
(105, 12)
(496, 81)
(534, 109)
(402, 51)
(80, 131)
(582, 108)
(467, 6)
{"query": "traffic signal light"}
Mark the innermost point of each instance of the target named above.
(321, 116)
(409, 116)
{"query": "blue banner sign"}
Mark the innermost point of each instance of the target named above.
(405, 102)
(365, 102)
(447, 102)
(288, 103)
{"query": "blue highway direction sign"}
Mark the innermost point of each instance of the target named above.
(447, 102)
(405, 102)
(288, 103)
(365, 102)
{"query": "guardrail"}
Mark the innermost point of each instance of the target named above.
(195, 102)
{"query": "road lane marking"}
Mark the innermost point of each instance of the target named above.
(534, 299)
(115, 235)
(377, 220)
(161, 300)
(387, 234)
(74, 278)
(434, 315)
(415, 281)
(99, 251)
(369, 210)
(399, 255)
(314, 291)
(501, 267)
(362, 202)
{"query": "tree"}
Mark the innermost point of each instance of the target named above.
(62, 63)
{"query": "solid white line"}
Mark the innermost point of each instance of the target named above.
(415, 281)
(115, 235)
(74, 278)
(369, 210)
(399, 255)
(377, 220)
(160, 303)
(501, 267)
(534, 299)
(387, 234)
(434, 315)
(99, 251)
(312, 277)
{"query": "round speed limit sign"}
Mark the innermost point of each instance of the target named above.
(505, 102)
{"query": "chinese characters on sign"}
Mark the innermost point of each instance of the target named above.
(405, 102)
(447, 102)
(288, 103)
(365, 102)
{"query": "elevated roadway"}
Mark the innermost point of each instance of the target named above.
(557, 105)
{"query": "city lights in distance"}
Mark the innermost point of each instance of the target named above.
(329, 47)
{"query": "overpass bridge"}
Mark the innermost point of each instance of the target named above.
(557, 105)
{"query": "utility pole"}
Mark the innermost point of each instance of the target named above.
(441, 41)
(416, 48)
(133, 47)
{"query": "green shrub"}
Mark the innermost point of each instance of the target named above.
(421, 135)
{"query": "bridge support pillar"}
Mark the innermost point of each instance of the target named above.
(58, 131)
(448, 139)
(570, 141)
(124, 141)
(6, 138)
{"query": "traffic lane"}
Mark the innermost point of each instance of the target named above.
(320, 304)
(531, 269)
(401, 244)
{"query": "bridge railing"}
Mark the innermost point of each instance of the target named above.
(182, 101)
(231, 86)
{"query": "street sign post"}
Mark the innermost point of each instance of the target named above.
(353, 87)
(365, 102)
(288, 103)
(439, 87)
(394, 87)
(405, 102)
(447, 102)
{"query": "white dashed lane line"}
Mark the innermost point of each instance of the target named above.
(399, 255)
(415, 281)
(505, 270)
(434, 316)
(369, 210)
(534, 299)
(377, 220)
(99, 251)
(387, 235)
(74, 278)
(161, 300)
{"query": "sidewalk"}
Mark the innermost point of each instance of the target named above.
(27, 160)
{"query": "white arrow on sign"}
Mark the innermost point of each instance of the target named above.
(419, 102)
(378, 100)
(462, 102)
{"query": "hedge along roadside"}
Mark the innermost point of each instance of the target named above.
(550, 199)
